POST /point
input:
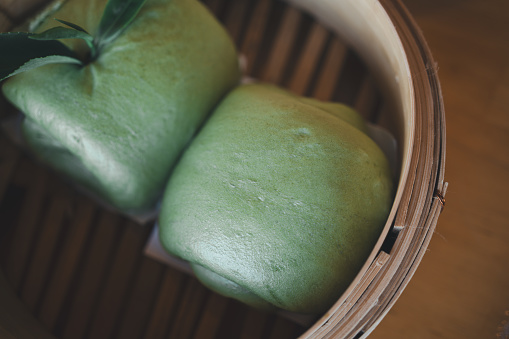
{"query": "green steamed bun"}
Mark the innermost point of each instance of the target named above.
(118, 125)
(278, 201)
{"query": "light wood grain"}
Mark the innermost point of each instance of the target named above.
(461, 287)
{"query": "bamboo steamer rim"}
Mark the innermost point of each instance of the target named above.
(385, 35)
(388, 39)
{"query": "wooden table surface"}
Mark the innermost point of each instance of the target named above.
(461, 289)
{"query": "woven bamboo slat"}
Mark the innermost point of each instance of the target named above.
(75, 270)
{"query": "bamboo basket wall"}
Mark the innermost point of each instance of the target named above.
(70, 269)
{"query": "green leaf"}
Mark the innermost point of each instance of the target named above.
(117, 16)
(56, 33)
(38, 62)
(18, 49)
(70, 24)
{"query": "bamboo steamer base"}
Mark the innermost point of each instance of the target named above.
(77, 270)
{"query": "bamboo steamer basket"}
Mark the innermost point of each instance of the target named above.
(71, 269)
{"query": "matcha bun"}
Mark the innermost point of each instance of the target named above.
(117, 124)
(278, 201)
